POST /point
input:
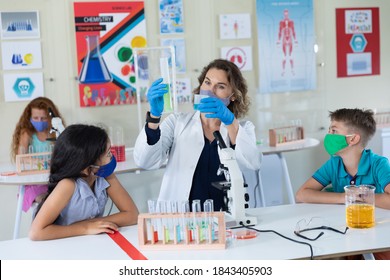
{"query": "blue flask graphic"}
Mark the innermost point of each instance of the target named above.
(94, 69)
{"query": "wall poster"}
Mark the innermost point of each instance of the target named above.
(23, 86)
(106, 34)
(358, 42)
(19, 25)
(286, 45)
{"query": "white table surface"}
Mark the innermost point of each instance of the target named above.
(290, 146)
(122, 167)
(269, 246)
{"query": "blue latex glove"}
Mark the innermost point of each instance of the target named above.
(155, 97)
(216, 109)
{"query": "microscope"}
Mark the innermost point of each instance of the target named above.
(56, 124)
(235, 196)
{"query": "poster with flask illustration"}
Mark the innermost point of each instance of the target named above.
(106, 34)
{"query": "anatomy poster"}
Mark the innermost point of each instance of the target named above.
(286, 45)
(106, 34)
(358, 44)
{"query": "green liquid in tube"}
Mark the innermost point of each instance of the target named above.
(164, 70)
(167, 101)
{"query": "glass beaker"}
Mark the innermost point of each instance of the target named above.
(94, 69)
(197, 99)
(360, 206)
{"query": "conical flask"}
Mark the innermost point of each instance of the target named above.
(94, 69)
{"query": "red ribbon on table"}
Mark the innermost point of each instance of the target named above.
(126, 246)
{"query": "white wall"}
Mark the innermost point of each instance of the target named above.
(202, 45)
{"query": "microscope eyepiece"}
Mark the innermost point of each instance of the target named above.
(51, 113)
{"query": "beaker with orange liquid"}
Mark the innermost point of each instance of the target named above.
(360, 206)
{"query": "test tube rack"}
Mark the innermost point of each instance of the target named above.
(382, 119)
(145, 226)
(285, 135)
(33, 163)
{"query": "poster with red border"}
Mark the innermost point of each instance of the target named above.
(358, 42)
(106, 34)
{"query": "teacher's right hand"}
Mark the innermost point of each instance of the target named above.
(155, 97)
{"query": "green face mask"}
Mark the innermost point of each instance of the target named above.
(335, 142)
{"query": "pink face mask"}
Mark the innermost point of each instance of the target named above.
(209, 93)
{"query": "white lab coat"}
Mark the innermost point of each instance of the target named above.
(182, 142)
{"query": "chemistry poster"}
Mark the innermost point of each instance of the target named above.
(358, 43)
(106, 34)
(286, 45)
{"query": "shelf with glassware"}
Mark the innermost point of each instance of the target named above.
(382, 119)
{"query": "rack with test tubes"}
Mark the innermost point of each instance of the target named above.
(19, 26)
(286, 134)
(382, 119)
(34, 162)
(170, 225)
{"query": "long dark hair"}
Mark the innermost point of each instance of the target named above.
(77, 147)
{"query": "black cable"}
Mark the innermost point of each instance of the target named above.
(281, 235)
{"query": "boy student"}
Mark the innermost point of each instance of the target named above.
(350, 162)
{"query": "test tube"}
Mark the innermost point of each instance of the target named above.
(153, 224)
(164, 70)
(208, 207)
(175, 223)
(170, 225)
(164, 223)
(186, 233)
(196, 221)
(31, 151)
